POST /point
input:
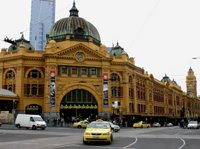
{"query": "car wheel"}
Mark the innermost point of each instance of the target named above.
(79, 126)
(111, 139)
(18, 126)
(33, 127)
(85, 142)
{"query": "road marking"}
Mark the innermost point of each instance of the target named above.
(182, 144)
(130, 144)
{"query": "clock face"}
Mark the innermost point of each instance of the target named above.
(80, 56)
(190, 85)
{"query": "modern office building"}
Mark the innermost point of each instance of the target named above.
(77, 76)
(42, 19)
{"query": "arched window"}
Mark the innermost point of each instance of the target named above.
(115, 78)
(35, 83)
(10, 81)
(141, 89)
(79, 96)
(115, 85)
(131, 88)
(130, 79)
(10, 74)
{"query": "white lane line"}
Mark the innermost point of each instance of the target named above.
(130, 144)
(182, 144)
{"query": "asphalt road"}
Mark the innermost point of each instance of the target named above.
(127, 138)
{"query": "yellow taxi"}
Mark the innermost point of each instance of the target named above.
(98, 131)
(141, 124)
(81, 124)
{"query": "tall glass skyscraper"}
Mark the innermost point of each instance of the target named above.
(42, 19)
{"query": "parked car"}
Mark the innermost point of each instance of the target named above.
(115, 127)
(141, 124)
(193, 124)
(156, 124)
(98, 131)
(169, 125)
(81, 124)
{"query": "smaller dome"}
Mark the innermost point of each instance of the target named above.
(166, 79)
(15, 44)
(117, 51)
(52, 41)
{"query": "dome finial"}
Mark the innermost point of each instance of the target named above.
(22, 35)
(74, 11)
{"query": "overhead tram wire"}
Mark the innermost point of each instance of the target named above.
(146, 19)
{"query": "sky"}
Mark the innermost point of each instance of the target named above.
(162, 35)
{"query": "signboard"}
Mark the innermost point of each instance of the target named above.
(52, 88)
(105, 90)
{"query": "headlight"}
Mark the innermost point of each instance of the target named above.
(107, 133)
(87, 133)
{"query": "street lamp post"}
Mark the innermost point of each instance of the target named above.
(13, 111)
(115, 105)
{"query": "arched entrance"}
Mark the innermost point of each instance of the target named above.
(33, 109)
(77, 105)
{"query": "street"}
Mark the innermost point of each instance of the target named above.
(126, 138)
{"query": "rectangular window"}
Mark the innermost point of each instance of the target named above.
(64, 69)
(10, 87)
(114, 91)
(83, 71)
(41, 90)
(28, 89)
(34, 89)
(74, 70)
(93, 71)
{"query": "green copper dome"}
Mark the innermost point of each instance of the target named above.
(16, 43)
(117, 50)
(74, 27)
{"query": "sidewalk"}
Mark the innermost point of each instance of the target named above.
(12, 126)
(8, 126)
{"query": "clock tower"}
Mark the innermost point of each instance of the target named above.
(191, 83)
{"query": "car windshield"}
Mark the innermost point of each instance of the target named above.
(112, 124)
(193, 122)
(37, 118)
(99, 125)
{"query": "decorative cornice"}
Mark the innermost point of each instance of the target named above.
(22, 57)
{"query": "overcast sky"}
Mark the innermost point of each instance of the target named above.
(162, 35)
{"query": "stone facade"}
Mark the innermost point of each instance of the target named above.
(80, 68)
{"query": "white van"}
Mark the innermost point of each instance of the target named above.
(30, 121)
